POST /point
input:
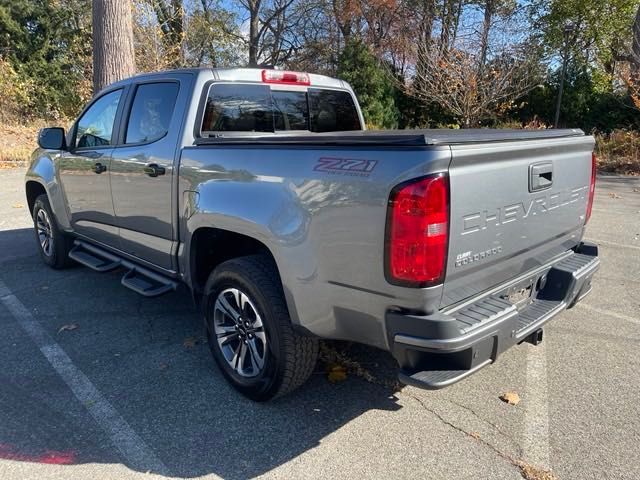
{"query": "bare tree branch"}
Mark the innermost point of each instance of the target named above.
(455, 81)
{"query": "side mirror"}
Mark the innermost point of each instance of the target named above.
(52, 139)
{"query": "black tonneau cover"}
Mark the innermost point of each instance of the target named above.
(412, 138)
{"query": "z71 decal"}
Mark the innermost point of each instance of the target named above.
(346, 166)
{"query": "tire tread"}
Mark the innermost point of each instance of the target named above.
(300, 352)
(62, 242)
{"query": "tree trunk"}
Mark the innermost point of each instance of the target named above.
(428, 17)
(447, 21)
(171, 18)
(456, 23)
(489, 8)
(424, 50)
(635, 45)
(113, 55)
(254, 31)
(342, 13)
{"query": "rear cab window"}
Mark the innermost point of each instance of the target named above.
(238, 108)
(235, 107)
(332, 110)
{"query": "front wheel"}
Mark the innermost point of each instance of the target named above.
(53, 244)
(249, 330)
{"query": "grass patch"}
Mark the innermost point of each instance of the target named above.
(13, 157)
(619, 152)
(17, 142)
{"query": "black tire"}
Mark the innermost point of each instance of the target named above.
(57, 254)
(289, 358)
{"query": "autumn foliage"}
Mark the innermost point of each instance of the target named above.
(415, 63)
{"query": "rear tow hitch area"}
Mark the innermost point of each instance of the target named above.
(535, 338)
(439, 349)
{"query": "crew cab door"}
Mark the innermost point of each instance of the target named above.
(143, 169)
(84, 169)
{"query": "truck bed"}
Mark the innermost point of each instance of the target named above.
(502, 223)
(410, 138)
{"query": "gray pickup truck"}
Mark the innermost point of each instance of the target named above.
(289, 223)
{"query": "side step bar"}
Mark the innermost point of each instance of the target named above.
(91, 257)
(139, 279)
(147, 283)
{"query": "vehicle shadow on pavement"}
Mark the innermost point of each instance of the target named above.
(149, 360)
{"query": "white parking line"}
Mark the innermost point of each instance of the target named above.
(613, 244)
(619, 316)
(535, 443)
(136, 452)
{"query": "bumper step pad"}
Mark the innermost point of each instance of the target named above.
(486, 327)
(436, 379)
(482, 312)
(537, 312)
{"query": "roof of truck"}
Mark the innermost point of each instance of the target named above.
(235, 74)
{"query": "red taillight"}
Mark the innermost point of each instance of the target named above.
(418, 232)
(592, 187)
(289, 78)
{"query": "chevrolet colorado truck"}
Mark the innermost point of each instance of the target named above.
(262, 191)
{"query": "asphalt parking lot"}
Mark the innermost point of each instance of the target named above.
(98, 382)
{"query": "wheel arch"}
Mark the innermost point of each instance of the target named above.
(33, 190)
(41, 177)
(208, 247)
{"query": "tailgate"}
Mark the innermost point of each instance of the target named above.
(514, 206)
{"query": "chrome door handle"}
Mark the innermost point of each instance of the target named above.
(154, 170)
(99, 168)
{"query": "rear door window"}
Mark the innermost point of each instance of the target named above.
(151, 112)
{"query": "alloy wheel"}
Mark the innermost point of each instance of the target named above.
(45, 232)
(240, 332)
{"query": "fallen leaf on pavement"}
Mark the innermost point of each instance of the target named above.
(512, 398)
(614, 195)
(189, 342)
(68, 327)
(531, 472)
(18, 205)
(337, 373)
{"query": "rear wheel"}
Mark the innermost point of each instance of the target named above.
(249, 330)
(53, 244)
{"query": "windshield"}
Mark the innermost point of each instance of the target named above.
(258, 108)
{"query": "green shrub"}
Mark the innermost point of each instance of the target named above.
(619, 151)
(372, 83)
(14, 93)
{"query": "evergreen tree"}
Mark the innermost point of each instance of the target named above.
(48, 45)
(372, 83)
